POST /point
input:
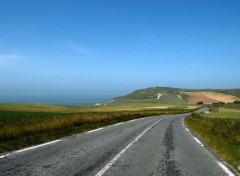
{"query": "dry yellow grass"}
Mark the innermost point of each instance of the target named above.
(79, 109)
(194, 97)
(220, 96)
(24, 128)
(208, 97)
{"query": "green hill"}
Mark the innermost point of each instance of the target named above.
(161, 95)
(164, 95)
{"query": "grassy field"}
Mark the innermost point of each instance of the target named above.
(220, 130)
(166, 99)
(25, 125)
(149, 95)
(82, 109)
(170, 96)
(231, 106)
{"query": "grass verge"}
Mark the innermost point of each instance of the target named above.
(21, 129)
(220, 132)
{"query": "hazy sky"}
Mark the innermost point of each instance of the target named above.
(111, 47)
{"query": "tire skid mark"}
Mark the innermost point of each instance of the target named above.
(170, 164)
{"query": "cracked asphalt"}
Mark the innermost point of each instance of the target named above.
(165, 149)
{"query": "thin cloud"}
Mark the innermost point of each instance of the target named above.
(195, 66)
(76, 47)
(9, 60)
(204, 66)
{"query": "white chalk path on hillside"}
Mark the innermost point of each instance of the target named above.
(158, 96)
(180, 97)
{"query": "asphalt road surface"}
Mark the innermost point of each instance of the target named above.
(159, 145)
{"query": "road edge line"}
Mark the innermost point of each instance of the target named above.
(227, 168)
(30, 148)
(95, 130)
(198, 141)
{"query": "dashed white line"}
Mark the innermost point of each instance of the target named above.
(198, 141)
(103, 170)
(118, 123)
(183, 122)
(132, 120)
(225, 169)
(95, 130)
(187, 129)
(3, 156)
(29, 148)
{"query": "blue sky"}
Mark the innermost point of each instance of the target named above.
(112, 47)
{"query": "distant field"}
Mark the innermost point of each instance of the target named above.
(120, 102)
(39, 108)
(231, 106)
(171, 99)
(165, 99)
(228, 114)
(176, 96)
(228, 110)
(220, 96)
(82, 109)
(194, 97)
(208, 97)
(168, 96)
(24, 125)
(220, 130)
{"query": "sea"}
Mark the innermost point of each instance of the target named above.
(67, 100)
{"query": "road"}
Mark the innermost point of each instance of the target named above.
(159, 145)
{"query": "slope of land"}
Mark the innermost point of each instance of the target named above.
(176, 96)
(160, 95)
(219, 129)
(194, 97)
(220, 96)
(208, 97)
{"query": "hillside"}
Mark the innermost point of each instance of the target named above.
(176, 96)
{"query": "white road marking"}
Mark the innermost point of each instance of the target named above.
(198, 141)
(30, 148)
(95, 130)
(118, 123)
(104, 169)
(3, 156)
(132, 120)
(228, 172)
(183, 122)
(225, 169)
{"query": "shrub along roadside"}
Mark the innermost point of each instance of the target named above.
(222, 135)
(39, 128)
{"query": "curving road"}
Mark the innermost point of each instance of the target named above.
(159, 145)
